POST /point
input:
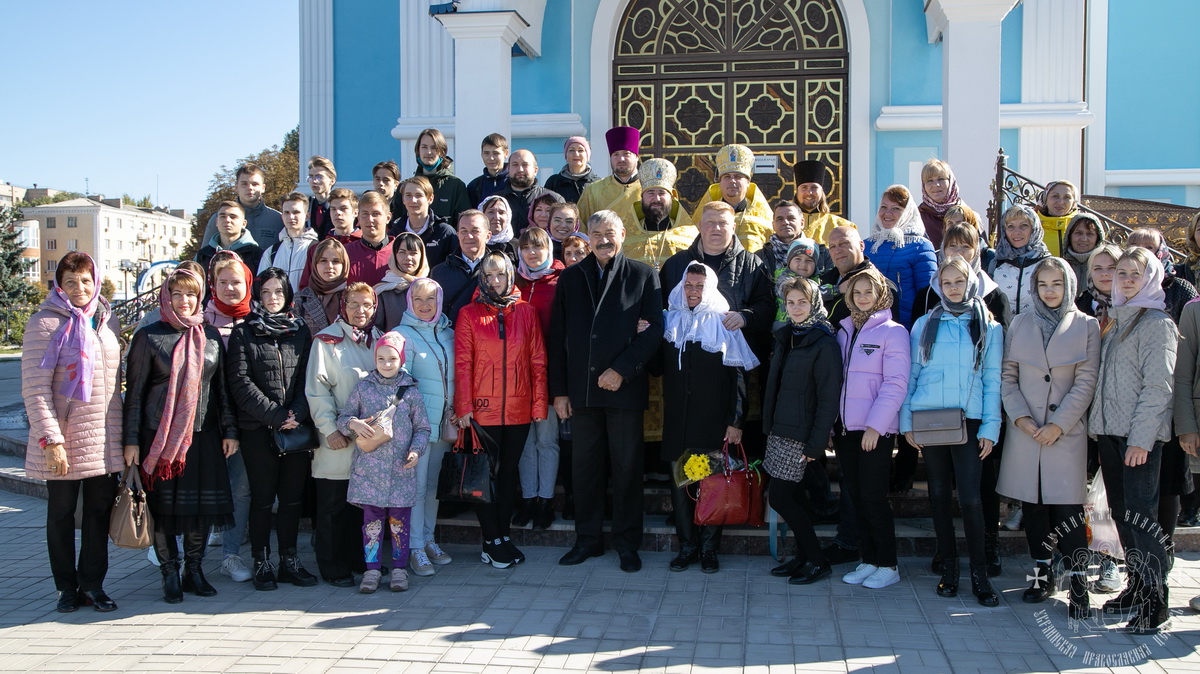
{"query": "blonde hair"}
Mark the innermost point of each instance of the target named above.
(719, 206)
(373, 197)
(957, 264)
(318, 162)
(936, 167)
(360, 287)
(968, 214)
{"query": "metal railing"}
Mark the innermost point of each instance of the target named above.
(1010, 187)
(129, 312)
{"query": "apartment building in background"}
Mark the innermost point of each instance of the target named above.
(123, 239)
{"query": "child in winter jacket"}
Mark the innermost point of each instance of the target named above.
(801, 261)
(875, 368)
(383, 480)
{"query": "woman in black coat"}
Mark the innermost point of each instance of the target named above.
(704, 397)
(268, 360)
(799, 408)
(180, 427)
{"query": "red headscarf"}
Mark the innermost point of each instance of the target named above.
(234, 311)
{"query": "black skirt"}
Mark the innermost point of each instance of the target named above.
(198, 499)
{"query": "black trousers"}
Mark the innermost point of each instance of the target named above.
(338, 527)
(1133, 499)
(98, 494)
(273, 476)
(607, 437)
(785, 497)
(865, 481)
(989, 498)
(1046, 525)
(495, 518)
(959, 465)
(692, 537)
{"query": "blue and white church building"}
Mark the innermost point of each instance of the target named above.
(1099, 92)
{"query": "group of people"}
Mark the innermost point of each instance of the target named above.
(382, 326)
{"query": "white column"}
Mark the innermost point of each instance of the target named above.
(316, 82)
(1052, 71)
(482, 79)
(426, 85)
(970, 34)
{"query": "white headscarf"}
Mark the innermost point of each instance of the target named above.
(703, 324)
(909, 223)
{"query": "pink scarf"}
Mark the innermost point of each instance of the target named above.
(174, 435)
(951, 198)
(74, 345)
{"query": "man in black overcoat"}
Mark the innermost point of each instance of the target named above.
(598, 380)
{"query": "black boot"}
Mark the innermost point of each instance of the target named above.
(935, 564)
(1129, 598)
(991, 552)
(1078, 606)
(981, 587)
(193, 573)
(167, 552)
(1153, 613)
(948, 585)
(686, 557)
(543, 514)
(292, 571)
(264, 571)
(523, 513)
(1042, 587)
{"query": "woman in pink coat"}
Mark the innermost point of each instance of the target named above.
(876, 362)
(71, 381)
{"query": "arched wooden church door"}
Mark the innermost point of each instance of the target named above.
(695, 75)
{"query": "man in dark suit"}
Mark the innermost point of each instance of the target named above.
(598, 379)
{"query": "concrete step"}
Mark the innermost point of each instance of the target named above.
(13, 478)
(914, 537)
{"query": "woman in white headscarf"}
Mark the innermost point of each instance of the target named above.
(900, 250)
(704, 396)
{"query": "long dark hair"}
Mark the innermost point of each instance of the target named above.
(268, 274)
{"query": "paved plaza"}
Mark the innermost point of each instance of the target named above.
(540, 617)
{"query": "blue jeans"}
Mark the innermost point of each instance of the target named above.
(539, 461)
(424, 513)
(1133, 499)
(231, 541)
(947, 465)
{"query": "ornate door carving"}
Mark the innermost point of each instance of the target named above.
(694, 75)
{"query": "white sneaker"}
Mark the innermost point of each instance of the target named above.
(215, 538)
(235, 568)
(1013, 523)
(859, 574)
(883, 576)
(436, 554)
(1110, 578)
(418, 561)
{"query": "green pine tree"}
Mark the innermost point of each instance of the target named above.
(14, 289)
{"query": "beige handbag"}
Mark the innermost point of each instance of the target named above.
(130, 525)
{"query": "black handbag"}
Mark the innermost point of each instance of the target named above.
(468, 472)
(302, 438)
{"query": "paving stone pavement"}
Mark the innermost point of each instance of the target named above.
(540, 617)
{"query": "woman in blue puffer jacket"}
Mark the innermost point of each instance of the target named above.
(429, 358)
(899, 248)
(956, 354)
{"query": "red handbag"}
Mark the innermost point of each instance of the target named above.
(731, 496)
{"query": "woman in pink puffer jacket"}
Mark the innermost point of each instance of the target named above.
(71, 382)
(876, 360)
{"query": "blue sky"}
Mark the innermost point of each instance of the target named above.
(130, 91)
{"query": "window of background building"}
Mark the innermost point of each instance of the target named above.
(51, 223)
(51, 266)
(72, 221)
(51, 244)
(72, 244)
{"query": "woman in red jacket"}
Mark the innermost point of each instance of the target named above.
(537, 278)
(500, 374)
